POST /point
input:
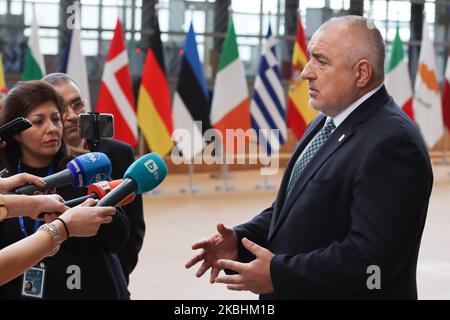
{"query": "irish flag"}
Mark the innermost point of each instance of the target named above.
(230, 104)
(446, 96)
(398, 82)
(34, 67)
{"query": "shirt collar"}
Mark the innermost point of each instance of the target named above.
(344, 114)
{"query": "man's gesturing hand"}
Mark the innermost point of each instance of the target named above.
(253, 276)
(222, 245)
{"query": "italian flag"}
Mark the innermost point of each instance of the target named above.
(230, 103)
(34, 67)
(398, 81)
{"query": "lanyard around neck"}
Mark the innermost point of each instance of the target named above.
(37, 223)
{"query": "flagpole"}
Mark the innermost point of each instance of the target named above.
(225, 187)
(225, 174)
(265, 185)
(190, 187)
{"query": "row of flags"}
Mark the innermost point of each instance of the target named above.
(231, 106)
(423, 105)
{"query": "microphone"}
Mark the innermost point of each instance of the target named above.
(98, 191)
(80, 172)
(143, 175)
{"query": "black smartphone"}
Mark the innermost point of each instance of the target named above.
(94, 126)
(8, 130)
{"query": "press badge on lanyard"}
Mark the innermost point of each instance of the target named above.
(33, 279)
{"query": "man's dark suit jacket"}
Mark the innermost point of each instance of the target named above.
(361, 201)
(122, 156)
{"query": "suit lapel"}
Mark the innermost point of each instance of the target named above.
(312, 130)
(340, 136)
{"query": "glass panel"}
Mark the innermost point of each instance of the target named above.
(198, 20)
(129, 22)
(249, 6)
(248, 41)
(201, 51)
(3, 6)
(273, 24)
(95, 2)
(399, 11)
(430, 9)
(246, 24)
(138, 19)
(107, 35)
(49, 45)
(163, 16)
(245, 53)
(89, 34)
(109, 17)
(89, 17)
(269, 6)
(340, 4)
(310, 4)
(42, 14)
(378, 10)
(16, 7)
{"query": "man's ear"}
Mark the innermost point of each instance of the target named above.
(363, 71)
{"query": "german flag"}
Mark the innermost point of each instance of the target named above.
(154, 113)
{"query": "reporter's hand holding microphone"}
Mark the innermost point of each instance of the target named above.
(143, 175)
(85, 220)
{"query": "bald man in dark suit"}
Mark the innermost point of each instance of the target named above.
(349, 215)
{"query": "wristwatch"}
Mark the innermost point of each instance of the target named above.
(3, 210)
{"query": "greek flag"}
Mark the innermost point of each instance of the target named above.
(268, 105)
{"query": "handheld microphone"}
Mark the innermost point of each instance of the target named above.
(80, 172)
(143, 175)
(98, 191)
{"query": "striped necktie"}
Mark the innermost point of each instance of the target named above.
(309, 153)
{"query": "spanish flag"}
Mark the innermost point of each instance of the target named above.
(154, 112)
(299, 113)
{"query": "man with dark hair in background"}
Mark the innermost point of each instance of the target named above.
(120, 154)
